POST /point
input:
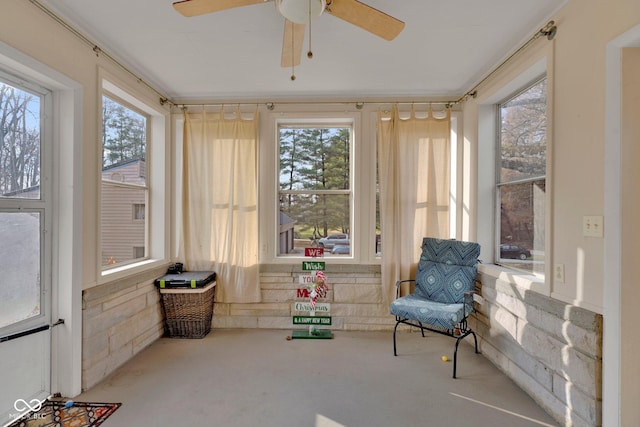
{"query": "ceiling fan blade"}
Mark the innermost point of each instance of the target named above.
(366, 17)
(190, 8)
(292, 43)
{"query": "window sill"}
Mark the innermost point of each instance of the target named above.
(129, 270)
(520, 279)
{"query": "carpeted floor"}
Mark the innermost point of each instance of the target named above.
(250, 378)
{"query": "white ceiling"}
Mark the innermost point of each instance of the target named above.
(445, 48)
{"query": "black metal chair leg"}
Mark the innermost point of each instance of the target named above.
(455, 356)
(475, 341)
(394, 339)
(421, 329)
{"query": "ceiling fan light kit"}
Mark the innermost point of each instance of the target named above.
(301, 11)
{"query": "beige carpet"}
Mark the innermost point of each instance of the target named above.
(250, 378)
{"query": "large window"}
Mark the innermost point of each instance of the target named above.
(315, 188)
(521, 183)
(23, 201)
(124, 189)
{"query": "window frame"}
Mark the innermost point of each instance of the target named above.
(133, 186)
(363, 177)
(481, 122)
(334, 123)
(43, 205)
(500, 184)
(157, 214)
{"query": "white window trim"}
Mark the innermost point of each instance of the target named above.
(157, 175)
(539, 62)
(364, 153)
(362, 186)
(67, 183)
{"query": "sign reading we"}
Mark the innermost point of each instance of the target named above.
(314, 252)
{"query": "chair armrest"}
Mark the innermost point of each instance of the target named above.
(468, 299)
(400, 282)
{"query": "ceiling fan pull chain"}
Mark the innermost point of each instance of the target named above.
(293, 67)
(309, 53)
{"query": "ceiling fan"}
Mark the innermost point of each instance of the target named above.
(298, 13)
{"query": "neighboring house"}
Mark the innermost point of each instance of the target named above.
(286, 234)
(123, 211)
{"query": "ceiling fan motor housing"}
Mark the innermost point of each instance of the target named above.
(300, 11)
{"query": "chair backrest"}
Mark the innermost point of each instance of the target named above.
(446, 270)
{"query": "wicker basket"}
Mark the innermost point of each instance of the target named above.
(188, 312)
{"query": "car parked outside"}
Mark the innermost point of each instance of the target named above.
(341, 250)
(508, 250)
(333, 240)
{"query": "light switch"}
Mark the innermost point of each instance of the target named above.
(593, 226)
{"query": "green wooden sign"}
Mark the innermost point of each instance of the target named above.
(313, 265)
(312, 320)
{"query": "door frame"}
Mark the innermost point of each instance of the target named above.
(66, 215)
(612, 289)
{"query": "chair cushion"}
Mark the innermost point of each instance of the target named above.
(446, 270)
(433, 313)
(448, 251)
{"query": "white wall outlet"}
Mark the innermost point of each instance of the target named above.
(593, 226)
(558, 273)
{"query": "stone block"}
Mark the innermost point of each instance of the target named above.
(123, 297)
(541, 346)
(280, 279)
(283, 283)
(260, 309)
(221, 308)
(148, 337)
(95, 348)
(359, 310)
(507, 321)
(357, 294)
(512, 304)
(589, 408)
(277, 295)
(589, 341)
(126, 331)
(117, 314)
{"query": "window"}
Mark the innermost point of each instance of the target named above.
(139, 213)
(124, 182)
(24, 200)
(521, 184)
(315, 190)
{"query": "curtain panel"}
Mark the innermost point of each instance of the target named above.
(414, 177)
(219, 203)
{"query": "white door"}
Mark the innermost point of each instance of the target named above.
(25, 247)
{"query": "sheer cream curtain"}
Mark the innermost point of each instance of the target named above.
(414, 165)
(219, 203)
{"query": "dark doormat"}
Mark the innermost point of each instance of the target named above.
(60, 412)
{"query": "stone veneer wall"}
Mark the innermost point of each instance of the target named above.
(354, 294)
(551, 349)
(119, 320)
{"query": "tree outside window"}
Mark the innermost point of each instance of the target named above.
(124, 183)
(521, 182)
(22, 203)
(314, 188)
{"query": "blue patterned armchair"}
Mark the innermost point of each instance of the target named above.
(442, 297)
